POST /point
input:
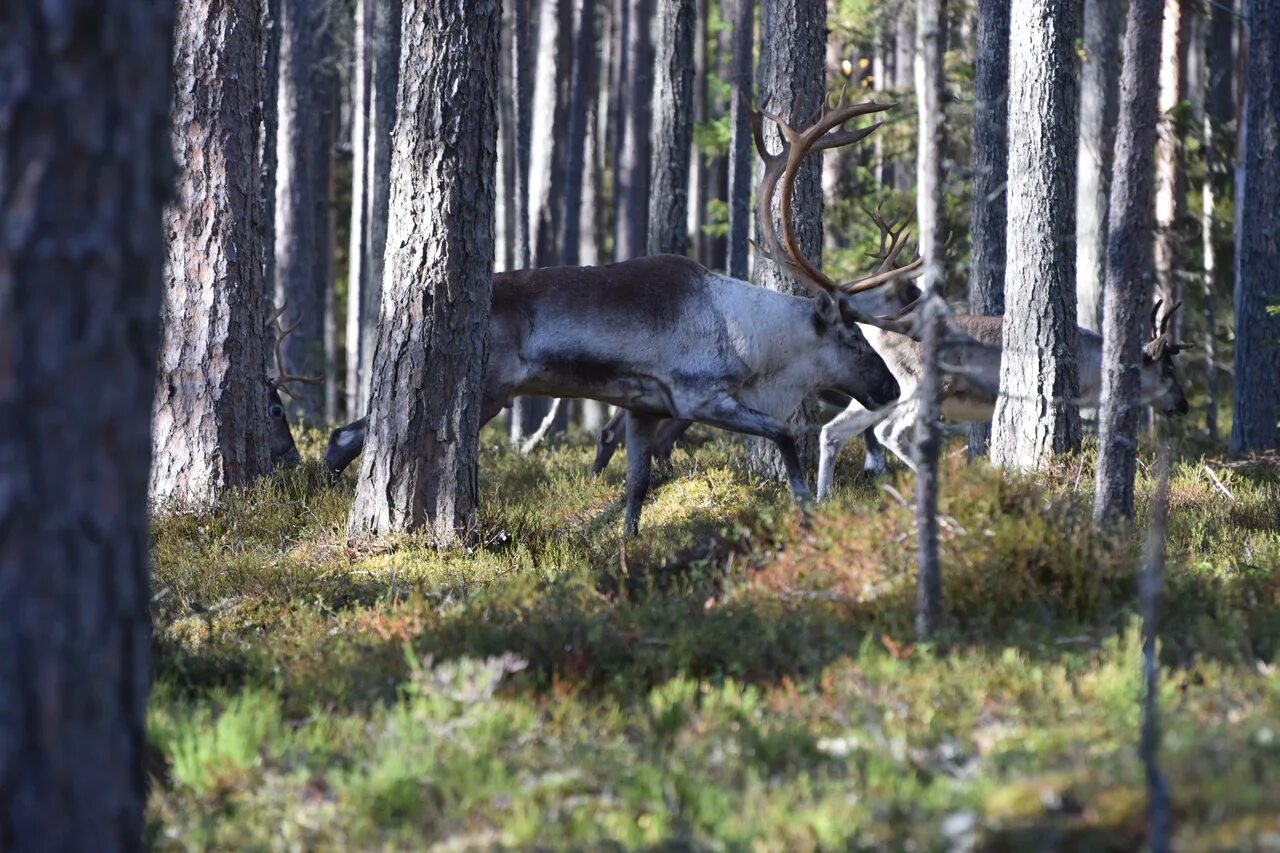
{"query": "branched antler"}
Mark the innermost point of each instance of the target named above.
(283, 377)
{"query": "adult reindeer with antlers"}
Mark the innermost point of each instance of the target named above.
(284, 453)
(663, 337)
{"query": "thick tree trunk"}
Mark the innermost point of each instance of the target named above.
(672, 128)
(307, 111)
(86, 171)
(1099, 111)
(632, 178)
(418, 468)
(1171, 183)
(1129, 272)
(1036, 414)
(791, 80)
(384, 81)
(931, 26)
(1257, 290)
(210, 413)
(741, 155)
(988, 211)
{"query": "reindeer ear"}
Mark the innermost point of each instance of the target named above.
(827, 309)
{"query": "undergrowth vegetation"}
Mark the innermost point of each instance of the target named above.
(738, 676)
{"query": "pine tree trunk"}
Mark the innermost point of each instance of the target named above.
(550, 124)
(418, 469)
(741, 154)
(210, 412)
(987, 212)
(1099, 111)
(699, 192)
(1036, 414)
(1127, 294)
(904, 82)
(1171, 189)
(269, 21)
(84, 104)
(672, 128)
(1257, 291)
(385, 82)
(791, 80)
(307, 111)
(931, 26)
(578, 139)
(632, 177)
(357, 270)
(522, 70)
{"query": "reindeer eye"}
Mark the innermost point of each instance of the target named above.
(276, 410)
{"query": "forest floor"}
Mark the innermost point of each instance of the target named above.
(735, 679)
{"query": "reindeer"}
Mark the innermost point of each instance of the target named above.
(971, 385)
(663, 337)
(284, 453)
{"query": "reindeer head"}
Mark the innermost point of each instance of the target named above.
(1159, 379)
(839, 309)
(284, 453)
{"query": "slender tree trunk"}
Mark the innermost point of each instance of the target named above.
(931, 26)
(792, 82)
(699, 192)
(672, 127)
(384, 81)
(741, 155)
(987, 210)
(84, 104)
(886, 76)
(1171, 191)
(1255, 412)
(579, 140)
(592, 413)
(1129, 271)
(554, 67)
(522, 70)
(905, 63)
(307, 116)
(1150, 591)
(418, 468)
(1036, 414)
(357, 254)
(1219, 103)
(268, 130)
(1099, 111)
(210, 411)
(632, 181)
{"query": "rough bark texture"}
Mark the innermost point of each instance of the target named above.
(418, 469)
(356, 255)
(1171, 182)
(741, 154)
(210, 413)
(1130, 276)
(84, 171)
(1255, 411)
(631, 175)
(1036, 414)
(269, 21)
(791, 82)
(672, 128)
(930, 15)
(308, 115)
(988, 210)
(1099, 111)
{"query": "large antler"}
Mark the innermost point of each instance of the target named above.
(1160, 341)
(283, 377)
(825, 132)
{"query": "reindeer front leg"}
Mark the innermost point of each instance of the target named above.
(727, 413)
(854, 420)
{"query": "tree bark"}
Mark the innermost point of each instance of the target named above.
(672, 128)
(931, 24)
(1099, 111)
(632, 177)
(522, 70)
(418, 468)
(741, 155)
(554, 68)
(85, 169)
(699, 191)
(1130, 277)
(579, 140)
(904, 82)
(988, 211)
(1036, 414)
(307, 111)
(1171, 183)
(210, 413)
(791, 80)
(1257, 289)
(357, 270)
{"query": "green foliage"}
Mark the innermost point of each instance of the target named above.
(737, 676)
